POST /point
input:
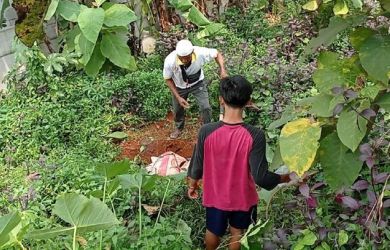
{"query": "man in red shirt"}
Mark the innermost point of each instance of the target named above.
(230, 159)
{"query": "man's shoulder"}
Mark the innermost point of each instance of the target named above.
(208, 128)
(253, 130)
(170, 59)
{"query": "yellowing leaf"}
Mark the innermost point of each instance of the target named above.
(311, 5)
(340, 8)
(299, 144)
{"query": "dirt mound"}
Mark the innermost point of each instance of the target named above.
(153, 140)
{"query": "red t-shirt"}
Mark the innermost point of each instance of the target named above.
(230, 158)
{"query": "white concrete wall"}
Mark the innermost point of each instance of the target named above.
(7, 35)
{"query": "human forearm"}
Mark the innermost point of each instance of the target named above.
(172, 88)
(221, 63)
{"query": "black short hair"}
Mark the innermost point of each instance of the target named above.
(235, 90)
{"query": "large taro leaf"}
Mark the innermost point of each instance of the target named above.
(138, 181)
(110, 170)
(351, 128)
(299, 144)
(91, 22)
(375, 57)
(333, 72)
(359, 36)
(83, 214)
(29, 26)
(341, 167)
(115, 48)
(384, 101)
(7, 224)
(119, 15)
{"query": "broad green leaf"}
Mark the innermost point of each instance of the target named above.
(91, 22)
(341, 167)
(327, 35)
(7, 224)
(384, 101)
(287, 115)
(99, 2)
(320, 105)
(115, 48)
(277, 160)
(196, 17)
(357, 4)
(375, 57)
(110, 170)
(370, 92)
(136, 181)
(385, 4)
(331, 73)
(3, 7)
(311, 5)
(119, 15)
(85, 47)
(299, 144)
(52, 9)
(211, 29)
(182, 5)
(69, 10)
(343, 238)
(340, 8)
(95, 62)
(83, 214)
(351, 128)
(118, 135)
(70, 38)
(359, 36)
(309, 239)
(50, 233)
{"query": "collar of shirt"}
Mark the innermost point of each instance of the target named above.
(178, 62)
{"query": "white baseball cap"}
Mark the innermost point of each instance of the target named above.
(184, 48)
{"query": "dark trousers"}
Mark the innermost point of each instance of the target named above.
(199, 91)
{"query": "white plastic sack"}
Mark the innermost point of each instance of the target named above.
(168, 163)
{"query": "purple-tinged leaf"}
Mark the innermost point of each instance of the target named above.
(304, 189)
(311, 202)
(338, 108)
(363, 158)
(337, 90)
(294, 177)
(365, 149)
(380, 142)
(350, 202)
(269, 245)
(360, 185)
(380, 178)
(386, 203)
(371, 197)
(350, 94)
(322, 233)
(370, 162)
(368, 113)
(317, 185)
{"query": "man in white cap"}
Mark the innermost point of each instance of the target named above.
(184, 75)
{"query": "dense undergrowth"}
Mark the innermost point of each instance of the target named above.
(55, 130)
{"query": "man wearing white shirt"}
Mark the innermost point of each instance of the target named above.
(184, 75)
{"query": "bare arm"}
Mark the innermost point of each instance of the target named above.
(172, 88)
(220, 61)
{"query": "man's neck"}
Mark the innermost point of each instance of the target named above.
(232, 115)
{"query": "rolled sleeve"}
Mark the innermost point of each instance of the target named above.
(207, 54)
